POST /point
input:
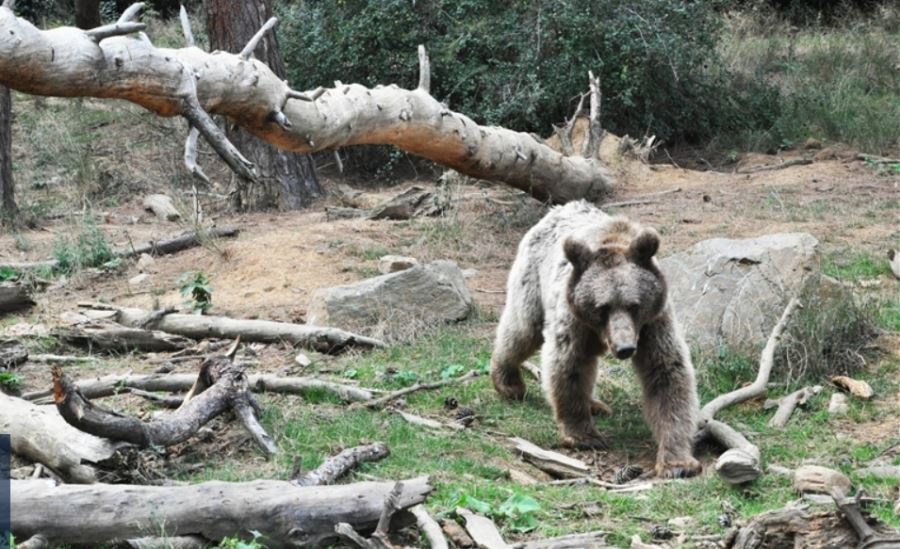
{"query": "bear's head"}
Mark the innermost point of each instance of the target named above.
(617, 288)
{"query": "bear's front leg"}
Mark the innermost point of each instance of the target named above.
(569, 372)
(664, 366)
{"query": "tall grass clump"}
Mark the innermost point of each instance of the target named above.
(89, 248)
(837, 78)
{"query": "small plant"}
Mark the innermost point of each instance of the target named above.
(235, 543)
(351, 373)
(517, 512)
(8, 274)
(10, 381)
(454, 370)
(406, 377)
(89, 249)
(196, 291)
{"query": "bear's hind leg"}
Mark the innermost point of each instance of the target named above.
(664, 366)
(518, 337)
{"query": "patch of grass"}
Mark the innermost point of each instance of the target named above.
(854, 267)
(10, 381)
(89, 248)
(836, 83)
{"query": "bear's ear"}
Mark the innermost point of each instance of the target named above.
(579, 255)
(644, 246)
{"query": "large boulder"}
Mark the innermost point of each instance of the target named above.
(394, 305)
(732, 292)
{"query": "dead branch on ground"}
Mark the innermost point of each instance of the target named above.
(337, 466)
(384, 400)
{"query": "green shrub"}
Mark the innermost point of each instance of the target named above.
(522, 64)
(89, 248)
(196, 290)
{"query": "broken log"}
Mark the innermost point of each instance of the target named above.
(317, 338)
(112, 337)
(787, 404)
(337, 466)
(178, 383)
(554, 463)
(195, 84)
(165, 246)
(483, 530)
(161, 206)
(795, 526)
(226, 390)
(286, 515)
(39, 434)
(14, 297)
(429, 527)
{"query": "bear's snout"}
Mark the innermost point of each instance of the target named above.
(622, 335)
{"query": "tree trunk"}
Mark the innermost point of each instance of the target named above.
(282, 174)
(192, 83)
(286, 515)
(8, 208)
(87, 14)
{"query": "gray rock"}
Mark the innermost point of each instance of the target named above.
(145, 263)
(838, 405)
(734, 291)
(139, 279)
(394, 305)
(395, 263)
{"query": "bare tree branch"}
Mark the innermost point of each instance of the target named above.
(186, 27)
(251, 45)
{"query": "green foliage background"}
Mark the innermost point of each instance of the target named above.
(521, 64)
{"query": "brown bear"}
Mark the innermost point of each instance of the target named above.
(584, 283)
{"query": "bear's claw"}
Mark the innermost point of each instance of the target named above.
(590, 441)
(678, 469)
(509, 385)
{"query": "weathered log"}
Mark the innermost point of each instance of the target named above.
(483, 530)
(787, 404)
(317, 338)
(112, 337)
(795, 526)
(14, 297)
(740, 463)
(820, 480)
(337, 466)
(39, 434)
(286, 515)
(429, 527)
(189, 82)
(161, 206)
(178, 383)
(226, 389)
(165, 246)
(554, 463)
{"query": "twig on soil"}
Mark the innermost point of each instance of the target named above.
(382, 401)
(643, 199)
(783, 165)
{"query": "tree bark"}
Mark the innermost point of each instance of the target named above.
(14, 297)
(192, 83)
(8, 208)
(286, 515)
(112, 337)
(285, 177)
(87, 14)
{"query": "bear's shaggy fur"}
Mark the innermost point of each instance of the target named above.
(584, 283)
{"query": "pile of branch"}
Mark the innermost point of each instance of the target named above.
(220, 386)
(741, 462)
(106, 63)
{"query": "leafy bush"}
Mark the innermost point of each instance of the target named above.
(521, 65)
(196, 290)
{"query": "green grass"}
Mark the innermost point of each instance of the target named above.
(475, 463)
(855, 267)
(836, 83)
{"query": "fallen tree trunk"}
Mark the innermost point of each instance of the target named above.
(109, 336)
(317, 338)
(189, 82)
(177, 383)
(40, 434)
(223, 386)
(165, 246)
(14, 297)
(286, 515)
